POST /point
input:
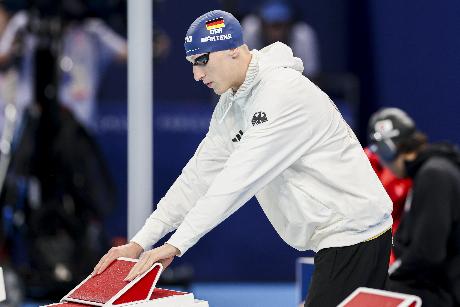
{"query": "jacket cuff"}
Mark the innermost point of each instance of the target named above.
(142, 240)
(183, 248)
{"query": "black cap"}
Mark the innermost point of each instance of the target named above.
(387, 128)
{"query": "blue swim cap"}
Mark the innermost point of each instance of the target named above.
(214, 31)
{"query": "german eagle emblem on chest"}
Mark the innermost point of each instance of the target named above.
(259, 118)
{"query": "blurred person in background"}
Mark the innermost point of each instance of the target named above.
(427, 242)
(87, 45)
(276, 21)
(15, 66)
(56, 188)
(275, 135)
(397, 189)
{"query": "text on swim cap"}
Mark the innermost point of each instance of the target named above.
(216, 38)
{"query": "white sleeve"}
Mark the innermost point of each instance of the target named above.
(17, 23)
(191, 185)
(265, 151)
(108, 37)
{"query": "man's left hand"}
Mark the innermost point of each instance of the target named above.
(163, 254)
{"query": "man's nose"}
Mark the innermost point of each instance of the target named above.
(198, 73)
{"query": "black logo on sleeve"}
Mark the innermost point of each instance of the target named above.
(237, 138)
(259, 118)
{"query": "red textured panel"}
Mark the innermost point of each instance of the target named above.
(141, 290)
(67, 304)
(374, 300)
(101, 288)
(160, 293)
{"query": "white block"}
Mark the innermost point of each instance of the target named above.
(2, 286)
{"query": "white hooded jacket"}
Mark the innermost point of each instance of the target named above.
(280, 138)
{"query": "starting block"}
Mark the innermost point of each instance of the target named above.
(376, 298)
(109, 289)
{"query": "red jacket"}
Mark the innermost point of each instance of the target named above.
(396, 188)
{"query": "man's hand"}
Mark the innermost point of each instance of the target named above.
(130, 250)
(163, 254)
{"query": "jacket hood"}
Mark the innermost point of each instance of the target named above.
(278, 55)
(274, 56)
(444, 149)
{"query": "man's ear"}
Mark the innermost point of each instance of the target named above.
(234, 52)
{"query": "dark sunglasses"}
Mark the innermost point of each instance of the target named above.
(201, 60)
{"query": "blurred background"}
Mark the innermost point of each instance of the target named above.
(63, 123)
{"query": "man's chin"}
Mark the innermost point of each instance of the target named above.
(218, 91)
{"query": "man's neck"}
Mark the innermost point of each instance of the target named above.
(245, 66)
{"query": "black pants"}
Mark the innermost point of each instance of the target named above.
(340, 270)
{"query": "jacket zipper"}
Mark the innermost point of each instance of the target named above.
(226, 111)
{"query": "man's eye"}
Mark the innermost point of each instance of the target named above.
(201, 60)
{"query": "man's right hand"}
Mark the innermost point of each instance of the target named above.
(130, 250)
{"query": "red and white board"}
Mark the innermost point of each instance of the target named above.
(110, 289)
(377, 298)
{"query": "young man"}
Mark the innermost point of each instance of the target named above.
(427, 242)
(273, 134)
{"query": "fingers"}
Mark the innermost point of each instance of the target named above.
(103, 264)
(164, 254)
(105, 261)
(130, 250)
(145, 262)
(166, 262)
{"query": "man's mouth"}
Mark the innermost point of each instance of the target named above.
(209, 84)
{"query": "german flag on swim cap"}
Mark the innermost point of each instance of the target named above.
(214, 31)
(215, 23)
